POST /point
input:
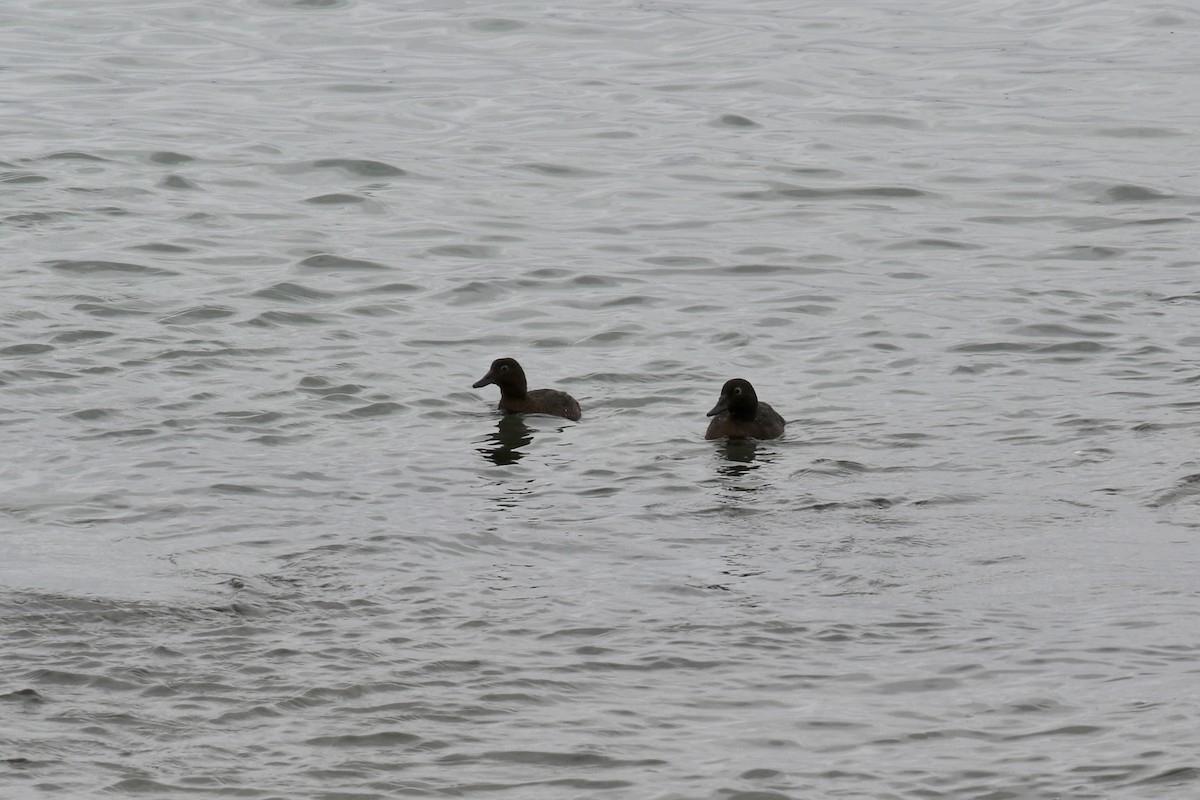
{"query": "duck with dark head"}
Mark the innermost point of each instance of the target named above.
(517, 398)
(739, 414)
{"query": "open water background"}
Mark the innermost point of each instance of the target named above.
(260, 538)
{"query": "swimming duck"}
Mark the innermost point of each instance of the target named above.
(516, 398)
(739, 414)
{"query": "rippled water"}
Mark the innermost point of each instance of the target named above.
(261, 539)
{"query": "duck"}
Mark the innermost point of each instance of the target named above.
(516, 398)
(739, 414)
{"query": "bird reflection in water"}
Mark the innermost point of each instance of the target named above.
(742, 457)
(503, 447)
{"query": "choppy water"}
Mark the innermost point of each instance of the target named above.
(260, 538)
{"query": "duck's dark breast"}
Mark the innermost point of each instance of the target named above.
(767, 424)
(545, 401)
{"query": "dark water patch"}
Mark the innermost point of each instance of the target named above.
(235, 488)
(336, 199)
(381, 739)
(1185, 488)
(1095, 318)
(305, 5)
(614, 135)
(252, 714)
(678, 261)
(317, 385)
(910, 439)
(148, 786)
(197, 314)
(23, 697)
(293, 293)
(980, 368)
(833, 467)
(1088, 425)
(810, 309)
(1064, 730)
(496, 25)
(107, 268)
(784, 191)
(360, 88)
(381, 409)
(1177, 776)
(734, 121)
(480, 251)
(326, 262)
(629, 301)
(178, 182)
(15, 376)
(89, 414)
(594, 281)
(881, 121)
(1132, 193)
(613, 337)
(217, 351)
(161, 247)
(921, 685)
(1081, 348)
(395, 288)
(169, 158)
(992, 347)
(62, 677)
(29, 349)
(20, 177)
(30, 219)
(472, 293)
(1056, 330)
(73, 155)
(126, 433)
(933, 244)
(1084, 253)
(553, 759)
(377, 310)
(1017, 220)
(282, 319)
(561, 170)
(550, 273)
(585, 783)
(769, 269)
(1138, 132)
(876, 503)
(947, 500)
(364, 168)
(252, 417)
(1150, 221)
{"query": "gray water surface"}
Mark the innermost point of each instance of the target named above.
(260, 538)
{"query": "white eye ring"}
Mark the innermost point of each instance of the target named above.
(504, 367)
(738, 390)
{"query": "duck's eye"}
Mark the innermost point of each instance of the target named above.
(504, 367)
(738, 390)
